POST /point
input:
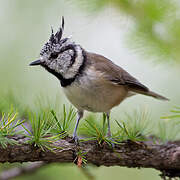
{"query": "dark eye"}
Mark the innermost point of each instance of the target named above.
(54, 55)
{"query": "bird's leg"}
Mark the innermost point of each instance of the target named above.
(108, 123)
(79, 116)
(109, 129)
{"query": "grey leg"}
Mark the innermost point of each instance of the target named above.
(79, 116)
(109, 130)
(108, 123)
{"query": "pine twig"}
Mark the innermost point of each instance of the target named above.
(147, 154)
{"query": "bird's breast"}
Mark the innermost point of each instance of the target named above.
(92, 94)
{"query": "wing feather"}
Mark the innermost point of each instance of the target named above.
(115, 74)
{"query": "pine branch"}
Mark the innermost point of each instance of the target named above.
(165, 158)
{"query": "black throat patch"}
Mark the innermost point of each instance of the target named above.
(67, 82)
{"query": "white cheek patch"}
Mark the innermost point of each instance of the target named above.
(53, 65)
(64, 63)
(65, 57)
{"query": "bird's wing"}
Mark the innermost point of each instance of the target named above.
(114, 74)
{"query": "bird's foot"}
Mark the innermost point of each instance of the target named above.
(110, 141)
(75, 140)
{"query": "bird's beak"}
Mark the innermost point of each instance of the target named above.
(35, 63)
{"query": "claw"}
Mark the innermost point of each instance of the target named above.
(111, 143)
(75, 140)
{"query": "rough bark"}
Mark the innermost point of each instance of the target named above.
(165, 158)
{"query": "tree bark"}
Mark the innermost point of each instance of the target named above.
(163, 157)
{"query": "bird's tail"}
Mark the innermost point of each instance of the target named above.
(155, 95)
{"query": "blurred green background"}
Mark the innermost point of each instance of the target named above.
(141, 36)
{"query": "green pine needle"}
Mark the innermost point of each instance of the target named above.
(41, 135)
(82, 154)
(8, 126)
(168, 129)
(134, 128)
(96, 130)
(63, 124)
(175, 115)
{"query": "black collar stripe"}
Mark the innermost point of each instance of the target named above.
(66, 82)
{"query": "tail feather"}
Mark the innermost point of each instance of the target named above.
(155, 95)
(150, 93)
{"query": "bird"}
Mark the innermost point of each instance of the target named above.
(90, 81)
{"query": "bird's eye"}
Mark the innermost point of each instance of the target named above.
(54, 55)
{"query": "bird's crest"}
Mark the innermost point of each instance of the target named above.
(55, 38)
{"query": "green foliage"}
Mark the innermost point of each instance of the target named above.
(175, 115)
(168, 129)
(81, 154)
(4, 141)
(9, 124)
(155, 31)
(46, 127)
(41, 135)
(96, 130)
(63, 124)
(134, 128)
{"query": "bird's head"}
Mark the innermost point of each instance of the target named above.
(60, 56)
